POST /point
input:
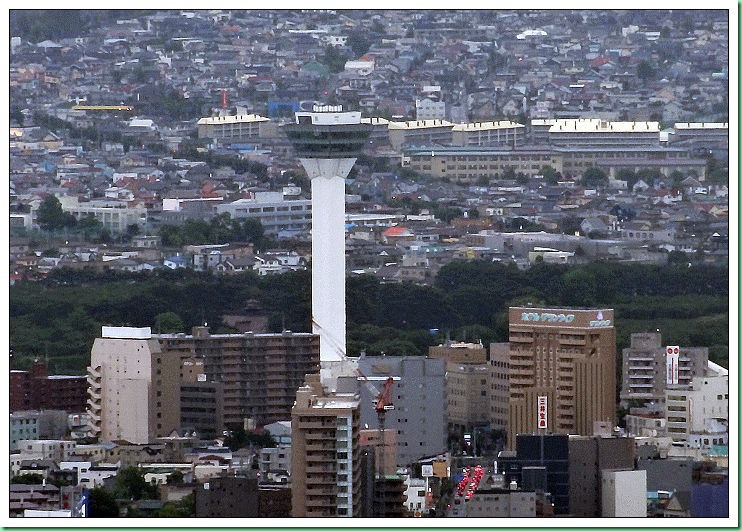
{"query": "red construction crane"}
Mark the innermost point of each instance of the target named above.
(383, 403)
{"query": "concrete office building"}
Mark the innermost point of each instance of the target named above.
(467, 400)
(236, 128)
(115, 215)
(594, 132)
(562, 370)
(419, 398)
(588, 458)
(459, 352)
(467, 385)
(420, 133)
(624, 494)
(699, 412)
(134, 386)
(499, 385)
(644, 368)
(540, 463)
(500, 133)
(325, 452)
(259, 373)
(701, 134)
(470, 164)
(276, 213)
(500, 503)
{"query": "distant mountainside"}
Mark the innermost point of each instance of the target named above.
(37, 25)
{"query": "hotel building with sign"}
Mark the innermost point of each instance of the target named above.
(566, 359)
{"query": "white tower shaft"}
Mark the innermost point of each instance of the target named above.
(328, 253)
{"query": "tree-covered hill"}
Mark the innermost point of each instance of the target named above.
(61, 317)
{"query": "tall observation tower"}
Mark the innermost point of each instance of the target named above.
(327, 142)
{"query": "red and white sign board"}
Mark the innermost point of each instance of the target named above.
(541, 417)
(673, 360)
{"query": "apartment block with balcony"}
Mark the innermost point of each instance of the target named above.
(258, 373)
(644, 368)
(133, 387)
(325, 452)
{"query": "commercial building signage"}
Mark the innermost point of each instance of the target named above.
(548, 317)
(542, 412)
(599, 321)
(673, 361)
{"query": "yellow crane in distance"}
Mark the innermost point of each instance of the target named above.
(102, 108)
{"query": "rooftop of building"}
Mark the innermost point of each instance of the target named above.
(419, 124)
(591, 125)
(484, 126)
(701, 125)
(233, 119)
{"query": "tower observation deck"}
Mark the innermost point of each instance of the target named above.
(327, 142)
(328, 133)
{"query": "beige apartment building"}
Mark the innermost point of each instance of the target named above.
(143, 385)
(259, 373)
(467, 384)
(325, 452)
(562, 364)
(134, 387)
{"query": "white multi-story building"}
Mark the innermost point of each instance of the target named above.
(430, 109)
(624, 493)
(274, 212)
(114, 214)
(594, 132)
(500, 133)
(420, 133)
(237, 128)
(699, 414)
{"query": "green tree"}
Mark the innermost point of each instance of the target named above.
(644, 71)
(50, 215)
(629, 176)
(131, 485)
(169, 323)
(594, 178)
(28, 479)
(550, 174)
(334, 59)
(102, 504)
(358, 43)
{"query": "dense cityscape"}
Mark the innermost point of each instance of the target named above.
(371, 264)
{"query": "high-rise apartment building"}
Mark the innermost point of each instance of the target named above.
(258, 373)
(645, 365)
(133, 386)
(325, 452)
(562, 370)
